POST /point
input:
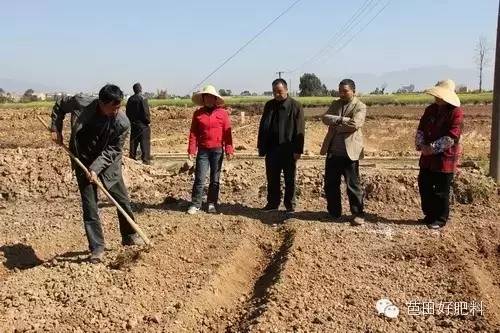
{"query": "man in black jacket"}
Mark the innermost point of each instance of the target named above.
(98, 132)
(281, 141)
(140, 118)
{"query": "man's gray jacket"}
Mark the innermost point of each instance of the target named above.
(83, 108)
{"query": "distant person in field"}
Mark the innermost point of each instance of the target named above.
(281, 141)
(210, 136)
(438, 140)
(98, 132)
(140, 119)
(343, 147)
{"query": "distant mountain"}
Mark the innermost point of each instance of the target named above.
(20, 86)
(421, 77)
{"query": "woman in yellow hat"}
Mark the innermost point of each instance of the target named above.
(209, 137)
(438, 140)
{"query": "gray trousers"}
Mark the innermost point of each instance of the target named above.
(92, 223)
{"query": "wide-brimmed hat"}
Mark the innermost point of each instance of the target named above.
(210, 90)
(446, 91)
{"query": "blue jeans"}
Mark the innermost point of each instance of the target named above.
(205, 160)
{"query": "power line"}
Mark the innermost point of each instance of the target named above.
(366, 11)
(347, 25)
(352, 23)
(364, 27)
(246, 44)
(356, 19)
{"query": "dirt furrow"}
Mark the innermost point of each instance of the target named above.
(257, 304)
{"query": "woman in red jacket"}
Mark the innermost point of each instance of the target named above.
(438, 140)
(209, 137)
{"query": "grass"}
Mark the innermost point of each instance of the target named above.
(399, 99)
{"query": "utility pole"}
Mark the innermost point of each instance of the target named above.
(279, 73)
(495, 116)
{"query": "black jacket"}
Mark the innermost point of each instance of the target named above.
(294, 127)
(82, 108)
(138, 110)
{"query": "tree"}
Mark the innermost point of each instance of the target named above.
(383, 87)
(406, 89)
(334, 93)
(482, 58)
(29, 96)
(379, 91)
(461, 89)
(161, 94)
(3, 97)
(310, 85)
(246, 93)
(225, 92)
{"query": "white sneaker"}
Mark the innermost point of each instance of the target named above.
(193, 210)
(211, 209)
(357, 221)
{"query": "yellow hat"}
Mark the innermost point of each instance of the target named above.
(198, 96)
(446, 91)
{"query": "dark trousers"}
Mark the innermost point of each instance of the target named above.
(207, 159)
(140, 135)
(93, 228)
(434, 188)
(335, 168)
(280, 160)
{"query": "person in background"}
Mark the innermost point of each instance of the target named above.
(343, 147)
(281, 141)
(438, 140)
(209, 137)
(137, 111)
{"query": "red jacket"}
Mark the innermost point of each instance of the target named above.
(210, 130)
(435, 124)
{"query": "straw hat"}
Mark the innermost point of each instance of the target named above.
(198, 96)
(446, 91)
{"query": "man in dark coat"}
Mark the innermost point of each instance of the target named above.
(138, 113)
(98, 132)
(281, 141)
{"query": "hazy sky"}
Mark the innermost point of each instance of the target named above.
(79, 45)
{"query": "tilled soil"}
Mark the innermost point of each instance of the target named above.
(241, 270)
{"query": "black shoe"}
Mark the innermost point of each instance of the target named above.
(133, 239)
(268, 208)
(427, 220)
(335, 215)
(290, 213)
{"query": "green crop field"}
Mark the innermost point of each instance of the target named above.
(396, 99)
